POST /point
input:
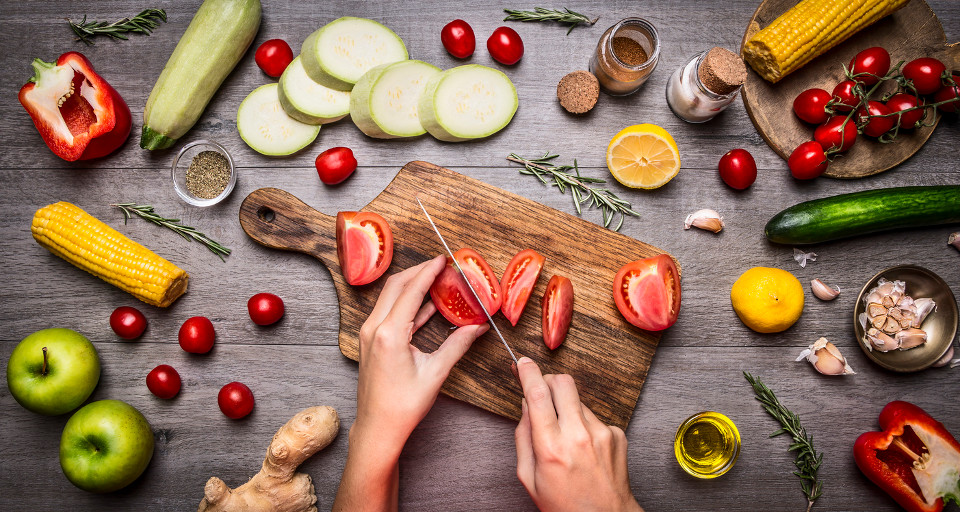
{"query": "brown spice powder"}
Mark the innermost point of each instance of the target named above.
(208, 175)
(628, 51)
(722, 71)
(578, 92)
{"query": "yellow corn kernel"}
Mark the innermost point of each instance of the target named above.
(84, 241)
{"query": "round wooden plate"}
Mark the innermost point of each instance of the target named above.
(912, 32)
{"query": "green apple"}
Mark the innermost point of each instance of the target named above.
(53, 371)
(105, 446)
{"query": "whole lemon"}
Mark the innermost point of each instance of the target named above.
(767, 299)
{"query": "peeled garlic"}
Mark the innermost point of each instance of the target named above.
(803, 257)
(826, 358)
(954, 240)
(822, 291)
(708, 220)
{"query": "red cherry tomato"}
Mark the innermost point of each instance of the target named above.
(647, 292)
(925, 74)
(738, 169)
(557, 306)
(129, 323)
(235, 400)
(901, 102)
(810, 105)
(273, 57)
(505, 46)
(163, 381)
(265, 308)
(807, 161)
(196, 335)
(335, 165)
(949, 92)
(518, 281)
(876, 126)
(874, 62)
(844, 97)
(829, 136)
(457, 37)
(364, 246)
(453, 299)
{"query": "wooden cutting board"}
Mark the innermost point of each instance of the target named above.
(608, 357)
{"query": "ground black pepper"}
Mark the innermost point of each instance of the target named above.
(208, 175)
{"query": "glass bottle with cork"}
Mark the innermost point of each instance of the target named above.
(626, 55)
(706, 85)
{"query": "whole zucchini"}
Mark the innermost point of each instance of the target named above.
(859, 213)
(218, 36)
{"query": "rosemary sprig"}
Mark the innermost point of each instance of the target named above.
(143, 23)
(146, 212)
(808, 460)
(542, 14)
(543, 168)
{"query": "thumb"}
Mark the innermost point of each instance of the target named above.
(456, 345)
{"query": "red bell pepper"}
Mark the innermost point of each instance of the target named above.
(76, 111)
(915, 460)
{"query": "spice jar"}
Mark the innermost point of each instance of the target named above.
(626, 55)
(706, 85)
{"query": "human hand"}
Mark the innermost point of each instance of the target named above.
(567, 459)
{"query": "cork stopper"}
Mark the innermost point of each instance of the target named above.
(722, 71)
(578, 92)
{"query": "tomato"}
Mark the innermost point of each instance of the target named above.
(924, 73)
(807, 161)
(949, 92)
(265, 308)
(518, 281)
(872, 63)
(738, 169)
(235, 400)
(335, 165)
(197, 335)
(557, 306)
(901, 102)
(647, 292)
(876, 126)
(453, 299)
(457, 37)
(810, 105)
(163, 381)
(364, 246)
(505, 46)
(273, 57)
(844, 96)
(829, 136)
(129, 323)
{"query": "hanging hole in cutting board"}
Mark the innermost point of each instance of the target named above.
(266, 214)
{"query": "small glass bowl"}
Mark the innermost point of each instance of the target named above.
(182, 162)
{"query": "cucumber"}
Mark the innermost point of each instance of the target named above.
(467, 102)
(859, 213)
(309, 102)
(340, 52)
(383, 104)
(219, 34)
(266, 127)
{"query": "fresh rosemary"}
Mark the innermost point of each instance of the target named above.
(143, 23)
(808, 460)
(146, 212)
(544, 169)
(542, 14)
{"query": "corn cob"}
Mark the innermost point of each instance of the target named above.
(91, 245)
(808, 30)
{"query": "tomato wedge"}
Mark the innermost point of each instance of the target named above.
(647, 292)
(557, 311)
(452, 297)
(518, 281)
(364, 246)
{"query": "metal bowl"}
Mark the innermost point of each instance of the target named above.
(941, 324)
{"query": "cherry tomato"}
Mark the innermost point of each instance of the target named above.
(235, 400)
(810, 105)
(844, 97)
(335, 165)
(364, 246)
(829, 136)
(924, 73)
(647, 292)
(163, 381)
(129, 323)
(557, 307)
(265, 308)
(505, 46)
(872, 61)
(453, 299)
(196, 335)
(457, 37)
(949, 92)
(901, 102)
(273, 57)
(876, 126)
(738, 169)
(518, 281)
(807, 161)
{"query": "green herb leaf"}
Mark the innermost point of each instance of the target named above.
(566, 16)
(188, 233)
(142, 23)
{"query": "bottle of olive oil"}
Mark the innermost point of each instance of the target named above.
(707, 444)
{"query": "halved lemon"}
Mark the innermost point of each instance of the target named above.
(643, 156)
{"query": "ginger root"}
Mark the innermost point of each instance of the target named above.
(278, 487)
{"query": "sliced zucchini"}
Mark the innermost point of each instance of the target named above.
(267, 129)
(340, 52)
(309, 102)
(467, 102)
(383, 104)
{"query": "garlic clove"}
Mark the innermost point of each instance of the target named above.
(888, 301)
(822, 291)
(803, 257)
(826, 358)
(945, 360)
(886, 343)
(895, 314)
(874, 310)
(891, 326)
(911, 338)
(878, 321)
(954, 240)
(873, 297)
(708, 220)
(924, 307)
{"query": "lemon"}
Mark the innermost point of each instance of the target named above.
(643, 156)
(767, 299)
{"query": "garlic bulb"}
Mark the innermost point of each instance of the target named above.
(822, 291)
(892, 319)
(826, 358)
(708, 220)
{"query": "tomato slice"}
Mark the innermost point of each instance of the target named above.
(647, 292)
(518, 281)
(557, 311)
(364, 246)
(452, 297)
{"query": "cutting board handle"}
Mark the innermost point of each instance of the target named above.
(277, 219)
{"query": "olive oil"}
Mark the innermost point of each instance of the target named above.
(707, 444)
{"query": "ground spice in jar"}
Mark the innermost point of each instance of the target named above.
(722, 71)
(628, 51)
(208, 175)
(578, 92)
(625, 56)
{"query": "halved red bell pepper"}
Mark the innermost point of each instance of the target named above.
(76, 111)
(915, 459)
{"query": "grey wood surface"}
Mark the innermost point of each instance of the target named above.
(460, 458)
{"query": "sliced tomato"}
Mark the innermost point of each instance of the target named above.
(647, 292)
(518, 281)
(364, 246)
(557, 311)
(452, 297)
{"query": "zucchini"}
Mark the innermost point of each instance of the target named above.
(859, 213)
(218, 36)
(467, 102)
(383, 104)
(340, 52)
(266, 127)
(309, 102)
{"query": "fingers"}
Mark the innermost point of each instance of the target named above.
(543, 416)
(566, 401)
(392, 290)
(408, 301)
(526, 462)
(426, 311)
(453, 348)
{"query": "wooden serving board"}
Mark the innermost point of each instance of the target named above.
(608, 357)
(909, 33)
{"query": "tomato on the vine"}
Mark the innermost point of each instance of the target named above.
(877, 119)
(457, 37)
(518, 281)
(949, 92)
(164, 381)
(273, 57)
(557, 311)
(454, 300)
(924, 73)
(807, 161)
(844, 97)
(129, 323)
(810, 105)
(265, 308)
(873, 63)
(647, 292)
(235, 400)
(505, 46)
(197, 335)
(335, 165)
(738, 169)
(830, 137)
(903, 103)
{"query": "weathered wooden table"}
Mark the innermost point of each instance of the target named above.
(460, 458)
